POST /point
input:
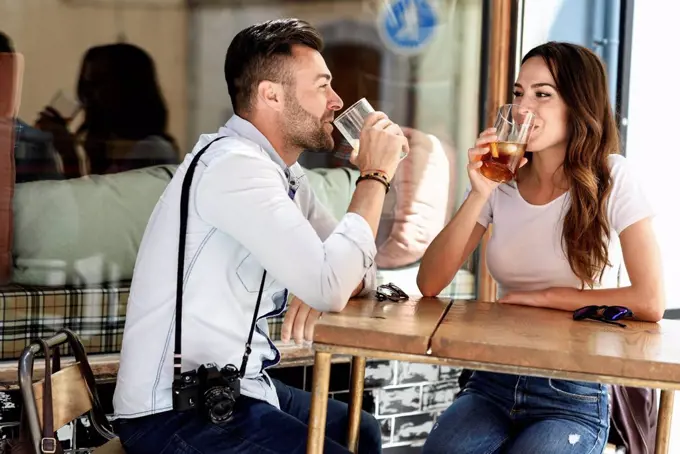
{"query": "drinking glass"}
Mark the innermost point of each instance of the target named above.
(66, 105)
(513, 127)
(350, 122)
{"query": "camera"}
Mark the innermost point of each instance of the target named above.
(211, 391)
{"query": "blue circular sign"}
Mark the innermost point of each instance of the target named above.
(407, 26)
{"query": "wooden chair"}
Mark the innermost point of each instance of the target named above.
(72, 397)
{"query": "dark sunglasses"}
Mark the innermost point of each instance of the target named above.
(606, 314)
(390, 292)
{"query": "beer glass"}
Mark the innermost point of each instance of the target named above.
(513, 127)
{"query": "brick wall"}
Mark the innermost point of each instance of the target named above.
(409, 397)
(405, 397)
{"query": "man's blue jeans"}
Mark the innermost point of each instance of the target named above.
(499, 413)
(257, 427)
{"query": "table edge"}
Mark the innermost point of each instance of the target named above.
(496, 367)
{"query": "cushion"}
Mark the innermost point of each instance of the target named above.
(333, 188)
(84, 230)
(87, 231)
(420, 203)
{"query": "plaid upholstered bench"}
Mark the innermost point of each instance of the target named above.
(97, 315)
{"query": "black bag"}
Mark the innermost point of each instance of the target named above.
(633, 419)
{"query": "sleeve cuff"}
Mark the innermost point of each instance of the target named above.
(356, 229)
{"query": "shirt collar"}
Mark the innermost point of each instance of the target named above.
(243, 128)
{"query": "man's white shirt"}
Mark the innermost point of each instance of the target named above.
(241, 221)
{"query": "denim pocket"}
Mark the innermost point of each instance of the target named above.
(585, 392)
(158, 426)
(130, 432)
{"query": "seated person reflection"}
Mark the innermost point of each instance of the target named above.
(125, 116)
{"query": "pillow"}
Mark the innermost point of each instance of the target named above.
(87, 231)
(333, 188)
(84, 230)
(418, 206)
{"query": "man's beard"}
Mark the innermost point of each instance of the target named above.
(303, 130)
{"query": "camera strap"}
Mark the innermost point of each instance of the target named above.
(183, 219)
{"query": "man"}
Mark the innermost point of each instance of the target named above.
(34, 154)
(252, 210)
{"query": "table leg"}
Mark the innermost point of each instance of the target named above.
(319, 407)
(356, 400)
(663, 428)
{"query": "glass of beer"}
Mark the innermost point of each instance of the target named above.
(513, 126)
(351, 121)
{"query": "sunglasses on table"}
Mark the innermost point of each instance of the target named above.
(390, 292)
(606, 314)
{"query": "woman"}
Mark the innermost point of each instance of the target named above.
(125, 124)
(561, 232)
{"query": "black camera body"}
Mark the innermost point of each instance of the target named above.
(211, 391)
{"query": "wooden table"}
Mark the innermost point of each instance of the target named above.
(494, 337)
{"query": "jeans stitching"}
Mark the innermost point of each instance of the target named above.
(495, 448)
(186, 446)
(572, 395)
(597, 441)
(131, 441)
(514, 404)
(222, 430)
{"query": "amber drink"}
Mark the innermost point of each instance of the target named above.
(513, 126)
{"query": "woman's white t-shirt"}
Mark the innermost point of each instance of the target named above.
(525, 251)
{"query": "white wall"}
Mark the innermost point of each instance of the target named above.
(654, 113)
(653, 120)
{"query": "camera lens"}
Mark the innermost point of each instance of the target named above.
(219, 402)
(221, 411)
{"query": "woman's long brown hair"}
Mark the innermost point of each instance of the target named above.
(592, 136)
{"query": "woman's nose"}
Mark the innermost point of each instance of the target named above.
(525, 104)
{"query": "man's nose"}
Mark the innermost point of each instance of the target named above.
(335, 102)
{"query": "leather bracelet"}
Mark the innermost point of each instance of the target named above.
(382, 172)
(377, 173)
(376, 178)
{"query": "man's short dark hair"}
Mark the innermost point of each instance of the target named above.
(258, 53)
(6, 44)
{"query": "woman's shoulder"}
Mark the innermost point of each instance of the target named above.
(622, 171)
(617, 163)
(628, 202)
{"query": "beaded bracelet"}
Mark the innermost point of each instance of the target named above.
(376, 173)
(382, 172)
(375, 177)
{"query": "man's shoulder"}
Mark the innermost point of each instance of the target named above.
(235, 150)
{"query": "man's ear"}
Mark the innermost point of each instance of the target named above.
(271, 94)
